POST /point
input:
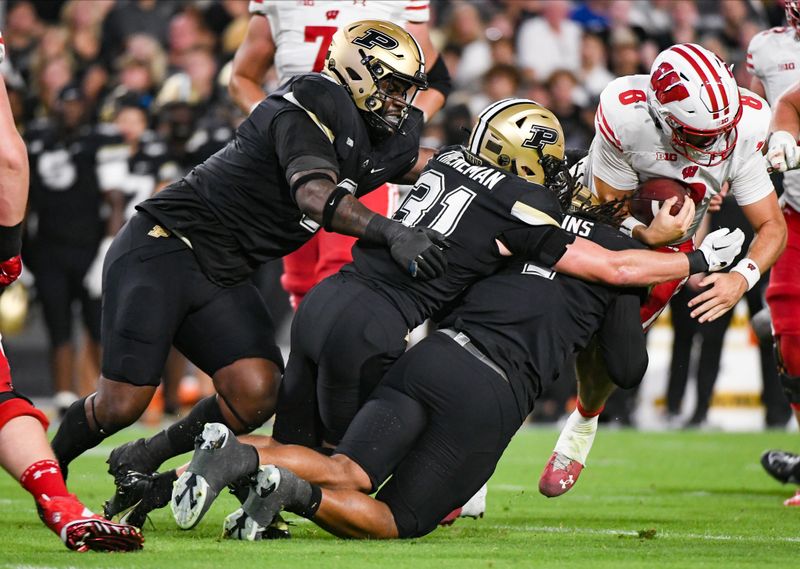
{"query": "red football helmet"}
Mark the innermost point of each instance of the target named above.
(695, 98)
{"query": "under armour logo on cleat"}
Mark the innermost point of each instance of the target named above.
(568, 482)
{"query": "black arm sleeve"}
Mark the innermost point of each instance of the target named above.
(439, 77)
(301, 145)
(622, 342)
(544, 244)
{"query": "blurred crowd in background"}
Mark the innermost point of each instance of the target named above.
(93, 81)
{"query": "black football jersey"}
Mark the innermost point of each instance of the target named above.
(528, 319)
(472, 205)
(236, 208)
(65, 194)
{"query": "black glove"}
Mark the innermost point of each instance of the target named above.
(417, 250)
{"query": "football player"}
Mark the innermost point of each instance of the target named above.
(435, 445)
(774, 60)
(498, 198)
(178, 272)
(294, 36)
(687, 120)
(24, 451)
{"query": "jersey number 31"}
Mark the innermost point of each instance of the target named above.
(429, 197)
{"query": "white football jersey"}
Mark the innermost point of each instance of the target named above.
(774, 57)
(629, 148)
(302, 29)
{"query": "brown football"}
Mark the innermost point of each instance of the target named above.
(650, 195)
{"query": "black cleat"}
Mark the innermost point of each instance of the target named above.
(132, 457)
(137, 495)
(782, 466)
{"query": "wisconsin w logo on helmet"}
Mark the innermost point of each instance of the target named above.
(374, 38)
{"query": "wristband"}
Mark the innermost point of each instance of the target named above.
(331, 204)
(748, 268)
(629, 224)
(697, 262)
(10, 241)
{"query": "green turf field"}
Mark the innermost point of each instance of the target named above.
(681, 499)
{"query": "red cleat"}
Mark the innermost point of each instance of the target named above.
(450, 518)
(794, 500)
(559, 476)
(81, 530)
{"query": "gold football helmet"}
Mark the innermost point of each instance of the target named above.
(382, 67)
(520, 136)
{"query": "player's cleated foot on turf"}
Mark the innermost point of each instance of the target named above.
(130, 458)
(559, 476)
(155, 493)
(239, 525)
(273, 489)
(219, 459)
(130, 489)
(81, 530)
(782, 466)
(474, 508)
(794, 500)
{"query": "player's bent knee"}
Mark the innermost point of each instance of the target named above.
(250, 392)
(349, 475)
(13, 405)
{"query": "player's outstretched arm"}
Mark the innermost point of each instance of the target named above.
(253, 59)
(783, 153)
(589, 261)
(417, 250)
(726, 289)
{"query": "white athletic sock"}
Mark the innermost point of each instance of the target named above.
(577, 437)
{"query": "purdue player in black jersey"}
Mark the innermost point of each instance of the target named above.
(489, 203)
(445, 412)
(178, 272)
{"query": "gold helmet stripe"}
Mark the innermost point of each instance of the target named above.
(483, 122)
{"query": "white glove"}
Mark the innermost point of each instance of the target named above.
(93, 279)
(783, 153)
(720, 248)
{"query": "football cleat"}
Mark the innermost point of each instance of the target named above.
(131, 457)
(474, 508)
(134, 501)
(239, 525)
(219, 459)
(81, 530)
(559, 476)
(794, 500)
(782, 466)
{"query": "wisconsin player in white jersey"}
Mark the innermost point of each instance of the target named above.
(294, 37)
(687, 120)
(774, 60)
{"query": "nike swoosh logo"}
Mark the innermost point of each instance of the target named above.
(376, 170)
(715, 248)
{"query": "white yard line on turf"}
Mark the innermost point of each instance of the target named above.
(659, 534)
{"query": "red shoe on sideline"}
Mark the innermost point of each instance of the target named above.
(559, 476)
(82, 530)
(794, 500)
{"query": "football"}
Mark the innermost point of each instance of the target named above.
(651, 194)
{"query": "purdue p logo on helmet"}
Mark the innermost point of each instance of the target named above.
(382, 66)
(517, 135)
